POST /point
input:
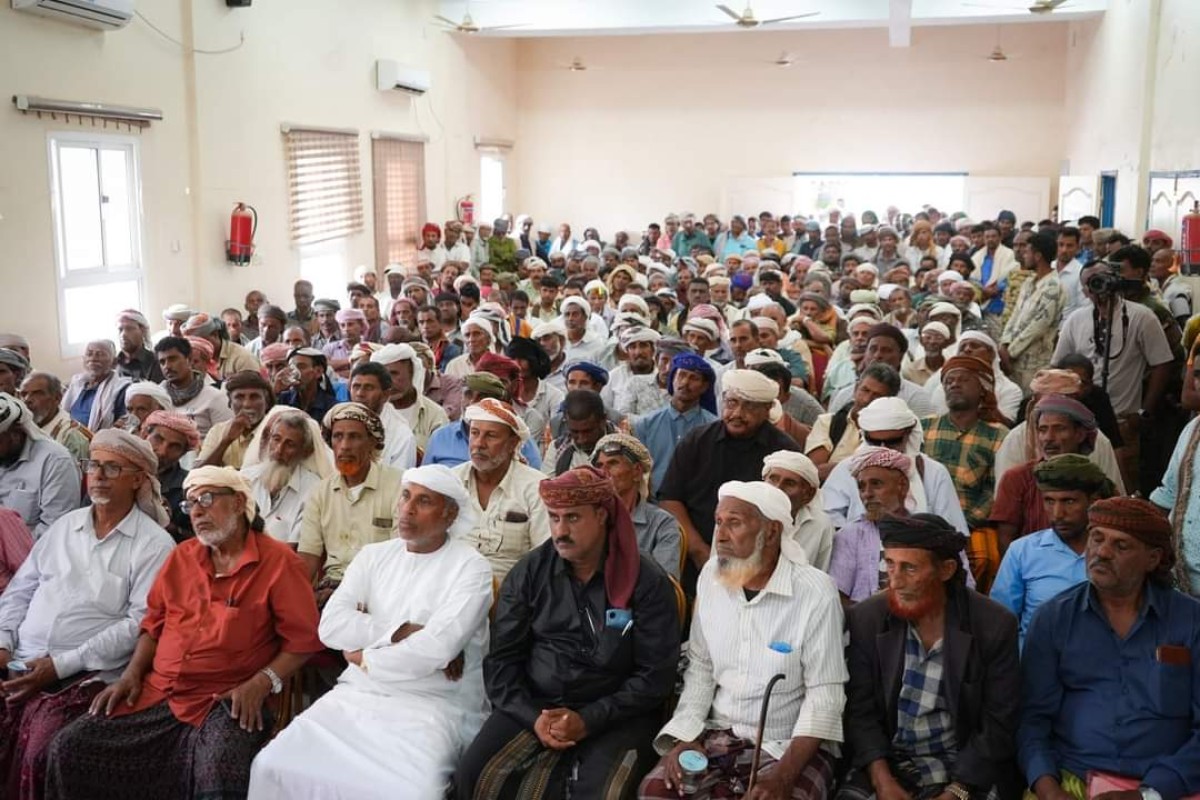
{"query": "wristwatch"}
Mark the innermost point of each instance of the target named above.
(277, 684)
(961, 792)
(1149, 793)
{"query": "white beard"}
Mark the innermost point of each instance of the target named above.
(276, 476)
(733, 573)
(215, 539)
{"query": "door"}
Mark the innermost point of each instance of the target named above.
(1108, 198)
(1028, 198)
(1077, 196)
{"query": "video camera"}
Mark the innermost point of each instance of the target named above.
(1109, 282)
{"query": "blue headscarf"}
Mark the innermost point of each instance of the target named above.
(596, 372)
(694, 363)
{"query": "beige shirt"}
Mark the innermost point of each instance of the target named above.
(428, 417)
(515, 520)
(70, 434)
(234, 359)
(819, 437)
(339, 521)
(235, 454)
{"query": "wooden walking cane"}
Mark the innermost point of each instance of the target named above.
(762, 724)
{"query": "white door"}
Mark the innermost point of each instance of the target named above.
(1028, 198)
(1171, 199)
(1078, 195)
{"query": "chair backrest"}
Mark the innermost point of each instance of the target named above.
(683, 549)
(681, 602)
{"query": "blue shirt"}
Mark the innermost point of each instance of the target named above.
(661, 430)
(1093, 701)
(1035, 568)
(448, 446)
(81, 411)
(1165, 495)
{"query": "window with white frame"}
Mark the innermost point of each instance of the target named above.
(95, 190)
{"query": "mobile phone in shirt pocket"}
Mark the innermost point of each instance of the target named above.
(1172, 688)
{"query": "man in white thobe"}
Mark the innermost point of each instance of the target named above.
(411, 619)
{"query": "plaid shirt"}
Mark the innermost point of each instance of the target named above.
(924, 728)
(970, 456)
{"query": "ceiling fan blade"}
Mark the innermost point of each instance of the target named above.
(730, 12)
(1051, 4)
(788, 19)
(447, 21)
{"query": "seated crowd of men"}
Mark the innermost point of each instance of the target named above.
(761, 508)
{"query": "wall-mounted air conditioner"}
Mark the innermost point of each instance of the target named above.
(107, 15)
(392, 75)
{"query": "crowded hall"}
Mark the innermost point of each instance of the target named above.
(406, 432)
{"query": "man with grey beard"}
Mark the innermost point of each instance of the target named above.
(758, 596)
(285, 473)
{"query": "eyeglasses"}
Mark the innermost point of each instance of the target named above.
(618, 449)
(105, 468)
(203, 500)
(896, 442)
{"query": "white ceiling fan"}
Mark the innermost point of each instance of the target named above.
(1038, 7)
(468, 25)
(998, 55)
(747, 19)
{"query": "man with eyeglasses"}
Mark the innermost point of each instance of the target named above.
(39, 478)
(229, 618)
(71, 612)
(172, 436)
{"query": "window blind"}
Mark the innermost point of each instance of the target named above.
(324, 185)
(399, 188)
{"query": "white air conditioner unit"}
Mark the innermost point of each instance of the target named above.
(392, 75)
(107, 15)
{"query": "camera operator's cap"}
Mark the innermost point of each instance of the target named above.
(1154, 234)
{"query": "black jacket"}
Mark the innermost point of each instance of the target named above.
(546, 653)
(982, 681)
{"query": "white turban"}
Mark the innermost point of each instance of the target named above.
(222, 478)
(944, 308)
(635, 301)
(554, 327)
(179, 312)
(949, 275)
(864, 308)
(639, 333)
(886, 289)
(794, 462)
(575, 300)
(439, 478)
(15, 413)
(479, 324)
(978, 336)
(936, 327)
(759, 301)
(361, 272)
(319, 462)
(886, 414)
(657, 266)
(152, 390)
(391, 353)
(595, 285)
(867, 266)
(492, 410)
(138, 452)
(766, 322)
(764, 355)
(704, 326)
(772, 503)
(747, 384)
(625, 319)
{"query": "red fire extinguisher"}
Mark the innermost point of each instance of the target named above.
(1189, 242)
(466, 210)
(243, 224)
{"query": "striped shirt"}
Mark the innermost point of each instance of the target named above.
(734, 651)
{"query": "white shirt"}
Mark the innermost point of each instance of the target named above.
(1068, 277)
(842, 503)
(1134, 350)
(206, 409)
(281, 514)
(81, 599)
(459, 252)
(589, 348)
(730, 660)
(399, 444)
(814, 533)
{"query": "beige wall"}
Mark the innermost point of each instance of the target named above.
(662, 123)
(304, 62)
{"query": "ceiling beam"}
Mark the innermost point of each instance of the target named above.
(900, 23)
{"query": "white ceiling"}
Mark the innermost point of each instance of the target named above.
(629, 17)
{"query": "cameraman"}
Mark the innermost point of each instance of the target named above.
(1139, 354)
(1135, 263)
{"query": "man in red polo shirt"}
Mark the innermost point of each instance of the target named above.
(230, 617)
